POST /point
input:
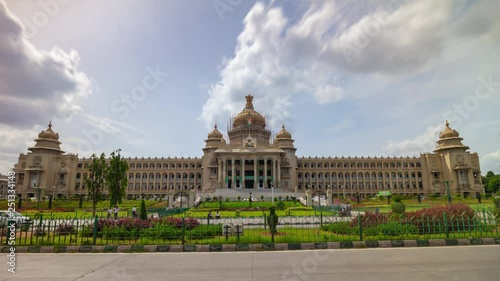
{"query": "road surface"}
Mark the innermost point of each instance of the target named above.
(465, 263)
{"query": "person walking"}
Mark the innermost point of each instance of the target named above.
(115, 211)
(134, 212)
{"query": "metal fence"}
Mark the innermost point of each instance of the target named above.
(190, 231)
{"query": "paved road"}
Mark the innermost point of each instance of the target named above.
(464, 263)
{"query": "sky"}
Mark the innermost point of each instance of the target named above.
(346, 78)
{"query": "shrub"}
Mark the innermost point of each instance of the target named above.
(340, 228)
(394, 228)
(272, 220)
(205, 231)
(496, 213)
(431, 220)
(280, 206)
(190, 223)
(143, 213)
(370, 219)
(398, 207)
(165, 232)
(65, 229)
(120, 233)
(88, 231)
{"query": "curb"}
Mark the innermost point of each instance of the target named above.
(253, 247)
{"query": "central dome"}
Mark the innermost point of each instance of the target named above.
(249, 116)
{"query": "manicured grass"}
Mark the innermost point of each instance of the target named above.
(244, 204)
(194, 213)
(249, 236)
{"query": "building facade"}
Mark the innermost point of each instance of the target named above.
(250, 158)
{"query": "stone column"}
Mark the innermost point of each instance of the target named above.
(242, 182)
(329, 197)
(233, 183)
(255, 173)
(219, 172)
(265, 171)
(274, 171)
(191, 198)
(171, 199)
(278, 167)
(224, 173)
(309, 198)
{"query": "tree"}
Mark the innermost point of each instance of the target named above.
(272, 220)
(143, 215)
(95, 183)
(116, 179)
(491, 182)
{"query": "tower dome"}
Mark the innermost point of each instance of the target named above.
(450, 139)
(47, 141)
(215, 134)
(283, 134)
(249, 116)
(48, 133)
(448, 132)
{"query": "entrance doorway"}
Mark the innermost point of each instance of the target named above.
(249, 183)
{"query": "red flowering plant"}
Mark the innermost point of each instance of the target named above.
(177, 222)
(459, 217)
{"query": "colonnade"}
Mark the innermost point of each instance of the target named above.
(233, 171)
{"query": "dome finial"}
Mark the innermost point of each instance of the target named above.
(283, 126)
(447, 124)
(50, 124)
(249, 99)
(215, 126)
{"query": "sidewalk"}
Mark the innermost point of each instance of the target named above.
(253, 247)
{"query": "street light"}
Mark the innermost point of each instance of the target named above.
(180, 195)
(272, 193)
(447, 185)
(53, 189)
(119, 175)
(39, 191)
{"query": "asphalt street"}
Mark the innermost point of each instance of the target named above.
(464, 263)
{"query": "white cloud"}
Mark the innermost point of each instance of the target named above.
(36, 85)
(14, 142)
(425, 142)
(277, 59)
(491, 162)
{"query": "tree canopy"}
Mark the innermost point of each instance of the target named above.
(491, 182)
(95, 182)
(116, 178)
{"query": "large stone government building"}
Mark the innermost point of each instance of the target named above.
(251, 159)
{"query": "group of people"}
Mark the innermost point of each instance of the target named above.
(114, 212)
(217, 215)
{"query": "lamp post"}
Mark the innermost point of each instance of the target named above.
(250, 199)
(447, 185)
(272, 193)
(39, 191)
(180, 196)
(53, 189)
(119, 175)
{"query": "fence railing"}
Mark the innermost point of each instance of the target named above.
(320, 228)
